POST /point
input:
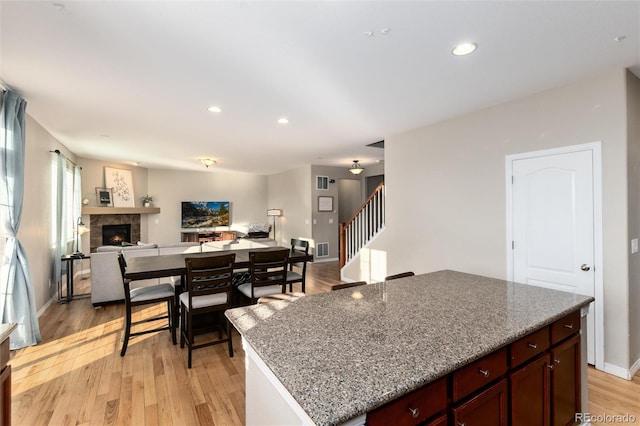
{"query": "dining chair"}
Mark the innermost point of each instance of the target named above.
(147, 295)
(208, 291)
(293, 277)
(348, 285)
(268, 269)
(400, 275)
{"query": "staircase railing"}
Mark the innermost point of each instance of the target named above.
(363, 226)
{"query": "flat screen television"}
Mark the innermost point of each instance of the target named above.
(205, 214)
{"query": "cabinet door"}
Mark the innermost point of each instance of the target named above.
(440, 421)
(489, 408)
(565, 382)
(530, 393)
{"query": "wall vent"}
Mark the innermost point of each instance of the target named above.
(322, 249)
(322, 182)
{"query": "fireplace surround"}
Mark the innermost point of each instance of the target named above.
(97, 221)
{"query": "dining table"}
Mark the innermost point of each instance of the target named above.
(169, 265)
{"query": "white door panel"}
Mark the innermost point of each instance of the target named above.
(553, 224)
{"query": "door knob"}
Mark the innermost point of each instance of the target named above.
(585, 267)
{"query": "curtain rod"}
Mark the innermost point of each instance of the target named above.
(57, 151)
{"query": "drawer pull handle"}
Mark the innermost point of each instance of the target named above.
(485, 373)
(533, 346)
(550, 366)
(462, 424)
(557, 361)
(414, 412)
(569, 326)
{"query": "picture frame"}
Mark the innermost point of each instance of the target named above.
(104, 197)
(121, 183)
(325, 203)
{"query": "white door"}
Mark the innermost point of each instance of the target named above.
(553, 225)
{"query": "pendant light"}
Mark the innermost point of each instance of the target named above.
(356, 168)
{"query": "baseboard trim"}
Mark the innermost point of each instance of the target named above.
(322, 260)
(634, 369)
(46, 305)
(617, 371)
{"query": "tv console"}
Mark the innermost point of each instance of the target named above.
(207, 236)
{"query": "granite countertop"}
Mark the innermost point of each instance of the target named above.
(343, 353)
(6, 329)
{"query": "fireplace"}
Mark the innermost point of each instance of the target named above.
(115, 235)
(100, 220)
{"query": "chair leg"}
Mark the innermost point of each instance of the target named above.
(229, 328)
(183, 330)
(189, 338)
(172, 321)
(127, 330)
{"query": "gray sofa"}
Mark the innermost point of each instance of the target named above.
(106, 280)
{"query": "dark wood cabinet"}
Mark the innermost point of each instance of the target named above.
(413, 408)
(488, 408)
(206, 236)
(534, 381)
(5, 384)
(565, 382)
(529, 393)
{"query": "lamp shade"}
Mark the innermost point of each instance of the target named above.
(274, 212)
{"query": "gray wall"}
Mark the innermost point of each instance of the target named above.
(290, 192)
(35, 225)
(633, 123)
(246, 193)
(446, 204)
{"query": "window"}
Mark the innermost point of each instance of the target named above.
(322, 182)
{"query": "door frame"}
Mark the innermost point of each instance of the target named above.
(596, 149)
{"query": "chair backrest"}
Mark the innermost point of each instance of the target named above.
(268, 268)
(125, 284)
(209, 275)
(301, 246)
(348, 285)
(400, 275)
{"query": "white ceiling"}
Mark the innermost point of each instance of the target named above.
(131, 81)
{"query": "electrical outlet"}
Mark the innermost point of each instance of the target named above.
(634, 246)
(330, 220)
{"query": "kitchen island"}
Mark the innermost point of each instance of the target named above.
(338, 357)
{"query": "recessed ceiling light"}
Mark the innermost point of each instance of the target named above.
(368, 33)
(283, 120)
(620, 38)
(59, 6)
(214, 109)
(464, 49)
(385, 31)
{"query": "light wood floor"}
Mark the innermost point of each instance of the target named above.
(76, 375)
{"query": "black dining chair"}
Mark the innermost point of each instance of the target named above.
(147, 295)
(268, 271)
(400, 275)
(208, 294)
(300, 276)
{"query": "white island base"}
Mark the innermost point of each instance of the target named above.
(267, 400)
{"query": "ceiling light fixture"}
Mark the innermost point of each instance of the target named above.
(356, 168)
(207, 162)
(385, 31)
(214, 109)
(368, 34)
(283, 120)
(464, 49)
(620, 38)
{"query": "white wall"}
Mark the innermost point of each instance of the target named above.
(290, 191)
(446, 187)
(246, 193)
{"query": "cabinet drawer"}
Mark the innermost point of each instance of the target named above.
(565, 327)
(487, 408)
(479, 373)
(412, 408)
(529, 346)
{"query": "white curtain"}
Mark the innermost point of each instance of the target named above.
(17, 302)
(60, 213)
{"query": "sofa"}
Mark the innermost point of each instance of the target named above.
(106, 280)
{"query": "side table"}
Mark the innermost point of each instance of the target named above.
(69, 259)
